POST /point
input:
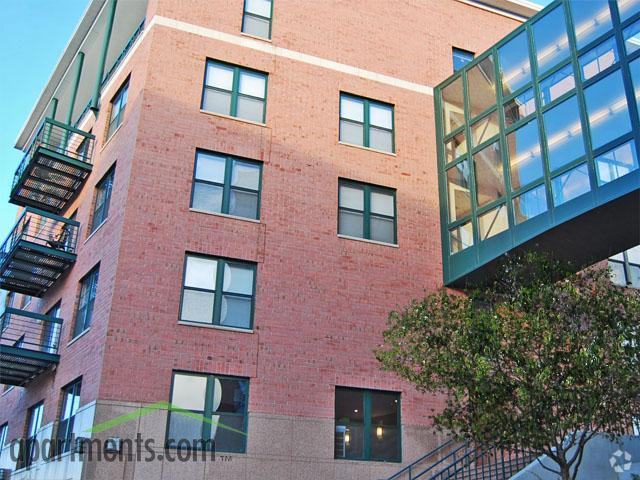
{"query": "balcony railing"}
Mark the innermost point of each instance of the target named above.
(54, 168)
(28, 345)
(38, 250)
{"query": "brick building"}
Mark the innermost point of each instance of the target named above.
(249, 191)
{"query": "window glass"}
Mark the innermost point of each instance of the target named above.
(525, 156)
(351, 197)
(381, 116)
(455, 147)
(382, 203)
(530, 204)
(84, 312)
(245, 175)
(219, 76)
(252, 84)
(461, 58)
(633, 255)
(352, 109)
(628, 8)
(367, 123)
(70, 405)
(519, 107)
(590, 20)
(481, 86)
(607, 110)
(599, 58)
(557, 84)
(550, 39)
(366, 211)
(118, 104)
(570, 185)
(632, 37)
(259, 7)
(489, 174)
(201, 273)
(3, 434)
(461, 237)
(189, 392)
(486, 128)
(634, 67)
(238, 278)
(618, 275)
(210, 167)
(514, 63)
(458, 187)
(453, 106)
(564, 133)
(102, 200)
(493, 222)
(257, 18)
(616, 163)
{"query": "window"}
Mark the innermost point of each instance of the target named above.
(34, 422)
(366, 122)
(208, 412)
(366, 211)
(218, 292)
(367, 425)
(103, 199)
(84, 313)
(515, 68)
(118, 104)
(4, 430)
(234, 91)
(51, 334)
(70, 405)
(625, 268)
(461, 58)
(226, 184)
(551, 39)
(257, 18)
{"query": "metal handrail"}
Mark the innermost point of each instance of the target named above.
(409, 468)
(30, 331)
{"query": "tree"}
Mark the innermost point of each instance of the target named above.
(542, 359)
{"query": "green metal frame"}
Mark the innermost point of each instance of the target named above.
(366, 413)
(233, 109)
(270, 19)
(111, 13)
(626, 265)
(457, 265)
(208, 411)
(108, 179)
(218, 292)
(366, 125)
(367, 188)
(226, 185)
(91, 279)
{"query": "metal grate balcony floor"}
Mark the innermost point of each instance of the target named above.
(19, 365)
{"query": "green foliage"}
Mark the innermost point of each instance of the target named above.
(542, 359)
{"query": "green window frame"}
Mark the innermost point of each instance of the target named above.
(118, 104)
(86, 300)
(34, 423)
(367, 123)
(367, 425)
(378, 220)
(218, 291)
(234, 91)
(226, 184)
(102, 200)
(4, 430)
(68, 410)
(208, 412)
(256, 18)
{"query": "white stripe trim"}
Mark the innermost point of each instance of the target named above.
(290, 54)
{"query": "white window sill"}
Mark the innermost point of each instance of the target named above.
(257, 37)
(366, 240)
(11, 387)
(215, 327)
(224, 215)
(368, 149)
(78, 337)
(95, 231)
(111, 137)
(237, 119)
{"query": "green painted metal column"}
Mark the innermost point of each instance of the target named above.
(74, 87)
(111, 13)
(52, 115)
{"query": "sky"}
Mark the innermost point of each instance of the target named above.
(32, 39)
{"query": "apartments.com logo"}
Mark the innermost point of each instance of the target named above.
(28, 451)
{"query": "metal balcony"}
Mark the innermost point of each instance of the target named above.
(38, 250)
(28, 345)
(54, 168)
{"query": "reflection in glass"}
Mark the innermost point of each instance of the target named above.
(484, 129)
(557, 84)
(550, 39)
(489, 174)
(634, 67)
(493, 222)
(461, 58)
(570, 185)
(530, 204)
(458, 189)
(515, 67)
(632, 37)
(452, 106)
(455, 147)
(564, 133)
(481, 85)
(461, 237)
(590, 20)
(607, 110)
(599, 58)
(519, 107)
(616, 163)
(628, 8)
(525, 158)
